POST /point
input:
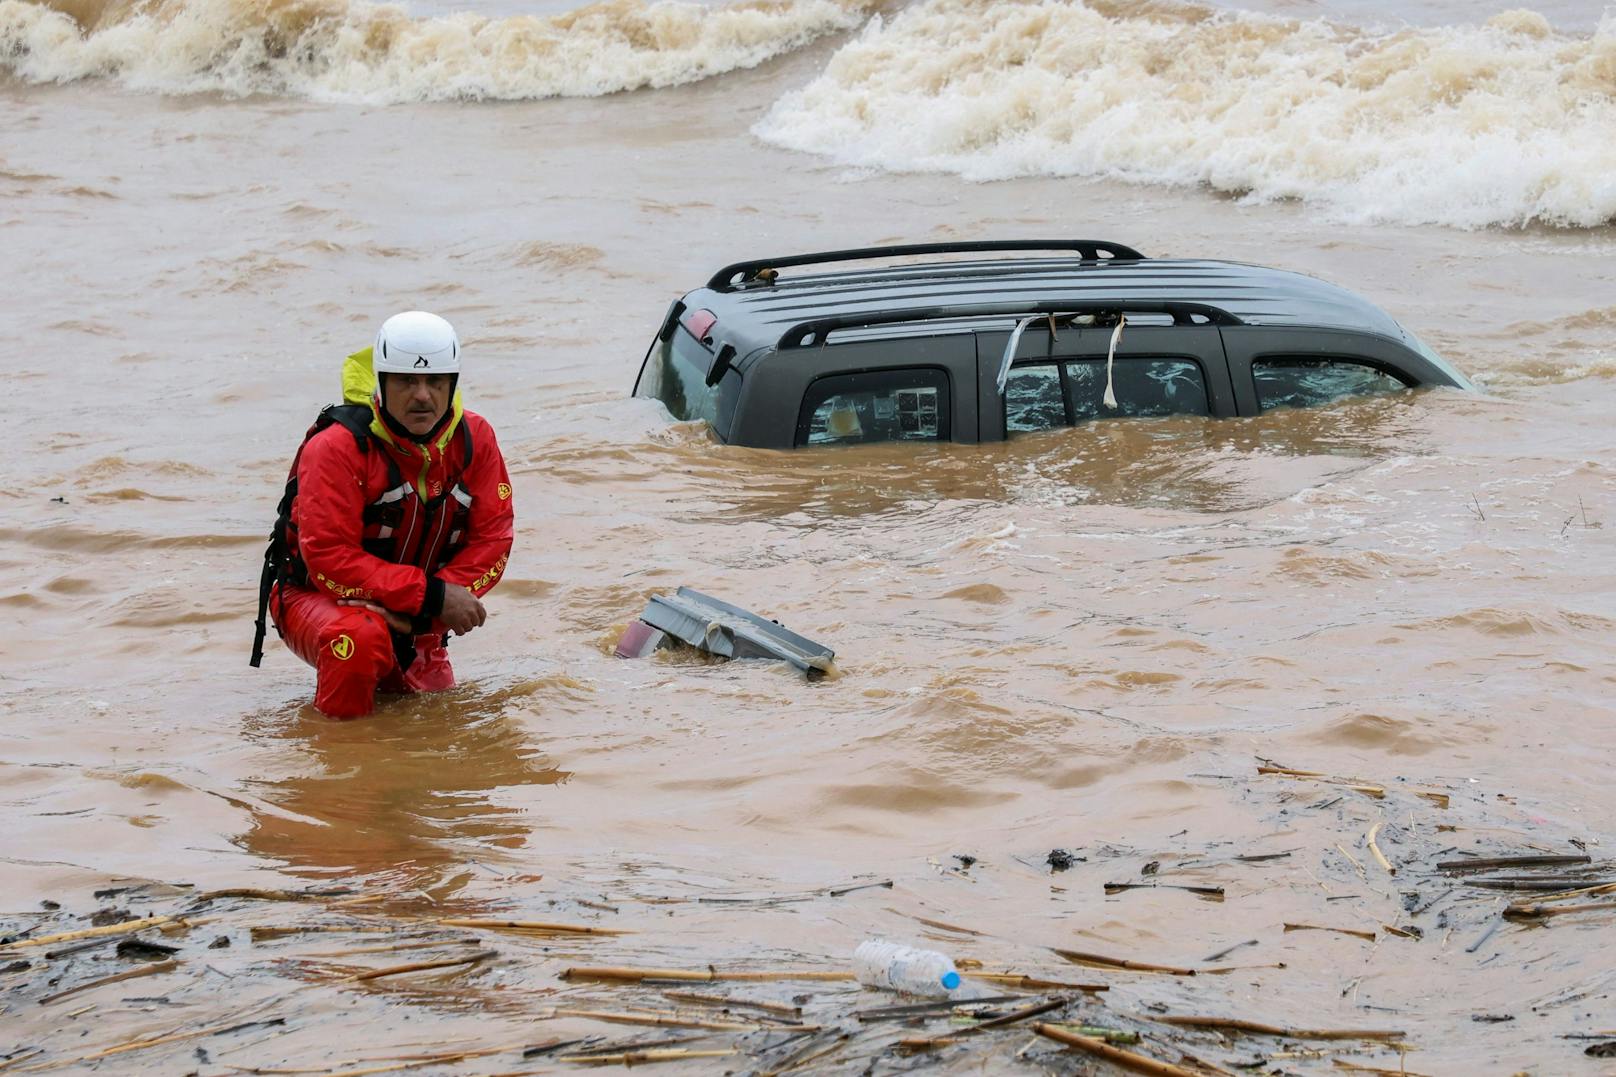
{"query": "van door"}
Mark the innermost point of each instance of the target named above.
(1059, 379)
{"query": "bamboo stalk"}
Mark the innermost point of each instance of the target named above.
(536, 926)
(1377, 1070)
(420, 966)
(725, 1000)
(1589, 891)
(1033, 983)
(1487, 863)
(1441, 800)
(1115, 1055)
(1380, 857)
(926, 1043)
(943, 926)
(1368, 790)
(358, 951)
(1362, 874)
(1101, 961)
(434, 1060)
(1536, 911)
(633, 974)
(267, 934)
(661, 1020)
(1366, 935)
(1113, 1036)
(631, 1058)
(1234, 1024)
(132, 974)
(125, 928)
(33, 1052)
(271, 895)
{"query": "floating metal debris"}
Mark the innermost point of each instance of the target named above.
(720, 629)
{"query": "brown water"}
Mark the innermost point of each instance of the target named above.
(1081, 640)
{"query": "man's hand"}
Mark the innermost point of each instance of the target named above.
(396, 621)
(462, 610)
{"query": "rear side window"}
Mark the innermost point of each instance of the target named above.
(678, 377)
(1299, 383)
(1038, 397)
(880, 405)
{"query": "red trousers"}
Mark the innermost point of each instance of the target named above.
(351, 650)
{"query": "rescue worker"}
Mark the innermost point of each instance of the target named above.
(397, 521)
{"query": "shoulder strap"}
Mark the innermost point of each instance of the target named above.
(354, 418)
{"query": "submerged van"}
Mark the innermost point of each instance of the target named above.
(785, 352)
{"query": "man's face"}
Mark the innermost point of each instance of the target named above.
(417, 401)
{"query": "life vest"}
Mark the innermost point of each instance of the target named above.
(399, 525)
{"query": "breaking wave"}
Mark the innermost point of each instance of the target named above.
(352, 50)
(1504, 123)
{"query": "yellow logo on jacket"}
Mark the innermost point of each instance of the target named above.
(504, 491)
(342, 647)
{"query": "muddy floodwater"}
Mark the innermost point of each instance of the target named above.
(1108, 642)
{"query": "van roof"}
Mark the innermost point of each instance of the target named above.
(776, 308)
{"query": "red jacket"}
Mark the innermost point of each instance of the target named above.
(345, 494)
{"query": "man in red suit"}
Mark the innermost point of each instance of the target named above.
(398, 520)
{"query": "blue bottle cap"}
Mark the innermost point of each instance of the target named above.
(951, 979)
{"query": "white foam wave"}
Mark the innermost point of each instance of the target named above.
(342, 50)
(1499, 124)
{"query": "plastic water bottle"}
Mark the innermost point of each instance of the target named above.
(879, 963)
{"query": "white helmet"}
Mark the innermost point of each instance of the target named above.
(416, 342)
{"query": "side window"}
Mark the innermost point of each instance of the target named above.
(1033, 399)
(1298, 383)
(679, 379)
(1142, 387)
(881, 405)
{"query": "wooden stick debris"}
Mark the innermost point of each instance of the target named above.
(926, 1043)
(1342, 1063)
(633, 1058)
(1351, 783)
(1033, 983)
(1214, 893)
(534, 926)
(919, 1009)
(154, 969)
(943, 926)
(1548, 886)
(1537, 911)
(271, 895)
(420, 966)
(1233, 1024)
(125, 928)
(24, 1056)
(1126, 1059)
(1487, 863)
(411, 1064)
(1441, 800)
(1587, 891)
(268, 934)
(1380, 857)
(729, 1001)
(1101, 961)
(1366, 935)
(709, 975)
(661, 1019)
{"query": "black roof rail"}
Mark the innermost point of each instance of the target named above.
(815, 330)
(1090, 249)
